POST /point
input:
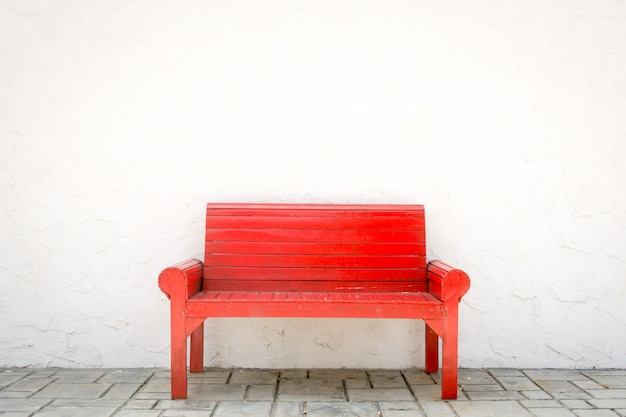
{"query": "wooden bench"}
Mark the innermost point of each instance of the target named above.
(295, 260)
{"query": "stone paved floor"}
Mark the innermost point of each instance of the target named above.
(313, 393)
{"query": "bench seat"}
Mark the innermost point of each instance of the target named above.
(314, 304)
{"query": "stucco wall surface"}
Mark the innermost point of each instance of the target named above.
(119, 120)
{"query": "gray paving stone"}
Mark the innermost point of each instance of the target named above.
(27, 405)
(610, 381)
(536, 395)
(140, 404)
(576, 404)
(551, 412)
(331, 409)
(604, 372)
(608, 393)
(75, 412)
(8, 378)
(122, 391)
(555, 375)
(186, 405)
(562, 389)
(588, 385)
(157, 385)
(216, 392)
(86, 402)
(202, 379)
(469, 376)
(398, 405)
(138, 413)
(427, 392)
(541, 404)
(15, 394)
(494, 395)
(31, 385)
(152, 396)
(260, 393)
(387, 394)
(596, 413)
(311, 390)
(438, 409)
(388, 380)
(79, 390)
(241, 409)
(402, 413)
(516, 383)
(84, 376)
(502, 372)
(488, 409)
(482, 388)
(418, 378)
(613, 403)
(289, 409)
(185, 413)
(357, 383)
(128, 376)
(294, 374)
(337, 374)
(42, 373)
(254, 377)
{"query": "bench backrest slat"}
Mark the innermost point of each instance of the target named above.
(290, 247)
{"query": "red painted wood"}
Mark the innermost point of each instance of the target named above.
(396, 222)
(310, 248)
(431, 350)
(313, 274)
(313, 235)
(312, 285)
(196, 350)
(298, 260)
(314, 261)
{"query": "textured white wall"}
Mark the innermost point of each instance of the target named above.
(119, 120)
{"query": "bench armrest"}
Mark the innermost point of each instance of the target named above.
(181, 280)
(447, 283)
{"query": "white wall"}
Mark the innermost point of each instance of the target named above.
(119, 120)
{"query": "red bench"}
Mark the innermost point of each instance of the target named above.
(295, 260)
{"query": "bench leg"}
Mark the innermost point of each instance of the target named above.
(197, 349)
(179, 358)
(431, 350)
(450, 351)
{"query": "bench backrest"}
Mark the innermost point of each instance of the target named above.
(315, 247)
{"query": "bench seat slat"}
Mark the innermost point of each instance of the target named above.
(314, 296)
(316, 261)
(313, 235)
(397, 223)
(308, 248)
(313, 274)
(314, 304)
(291, 210)
(338, 286)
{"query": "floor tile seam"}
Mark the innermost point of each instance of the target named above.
(498, 381)
(230, 375)
(344, 386)
(42, 388)
(139, 388)
(215, 407)
(410, 388)
(275, 399)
